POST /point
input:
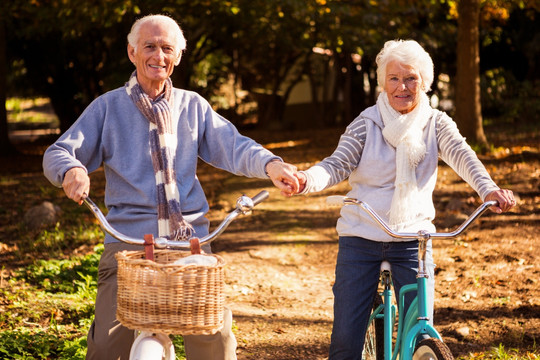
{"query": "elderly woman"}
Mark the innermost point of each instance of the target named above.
(139, 133)
(390, 154)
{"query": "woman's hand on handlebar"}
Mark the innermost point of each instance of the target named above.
(76, 184)
(504, 197)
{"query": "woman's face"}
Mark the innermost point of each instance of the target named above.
(154, 57)
(403, 85)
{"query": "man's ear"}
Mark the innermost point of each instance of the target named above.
(131, 53)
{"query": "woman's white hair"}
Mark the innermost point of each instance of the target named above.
(168, 22)
(406, 52)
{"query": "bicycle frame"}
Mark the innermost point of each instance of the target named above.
(415, 323)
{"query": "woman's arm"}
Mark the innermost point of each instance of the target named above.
(340, 164)
(455, 151)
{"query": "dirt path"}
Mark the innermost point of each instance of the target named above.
(279, 284)
(281, 266)
(281, 259)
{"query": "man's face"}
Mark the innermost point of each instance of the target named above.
(154, 57)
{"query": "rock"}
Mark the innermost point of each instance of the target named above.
(463, 331)
(41, 215)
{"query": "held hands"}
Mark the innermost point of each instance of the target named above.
(283, 177)
(286, 177)
(504, 197)
(76, 184)
(302, 179)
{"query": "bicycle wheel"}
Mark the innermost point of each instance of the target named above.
(374, 341)
(432, 349)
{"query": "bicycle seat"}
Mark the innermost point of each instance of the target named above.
(385, 266)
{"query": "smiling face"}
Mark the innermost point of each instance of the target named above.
(154, 57)
(403, 85)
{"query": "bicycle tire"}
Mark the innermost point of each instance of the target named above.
(374, 339)
(432, 349)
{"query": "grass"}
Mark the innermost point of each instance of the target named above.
(501, 353)
(30, 113)
(47, 309)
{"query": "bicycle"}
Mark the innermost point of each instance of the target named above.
(415, 338)
(152, 340)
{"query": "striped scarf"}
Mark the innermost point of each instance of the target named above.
(163, 143)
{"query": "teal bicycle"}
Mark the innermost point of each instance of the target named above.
(415, 338)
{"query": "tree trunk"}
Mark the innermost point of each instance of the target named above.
(6, 147)
(468, 108)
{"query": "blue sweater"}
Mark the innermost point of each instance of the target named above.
(113, 133)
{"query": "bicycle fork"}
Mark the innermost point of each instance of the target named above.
(390, 310)
(387, 312)
(416, 321)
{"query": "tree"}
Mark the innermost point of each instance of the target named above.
(264, 46)
(6, 147)
(70, 51)
(468, 108)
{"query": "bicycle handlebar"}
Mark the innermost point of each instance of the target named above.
(244, 205)
(343, 200)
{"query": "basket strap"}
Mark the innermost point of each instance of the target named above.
(195, 246)
(149, 246)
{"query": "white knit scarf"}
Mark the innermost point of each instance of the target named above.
(404, 133)
(163, 144)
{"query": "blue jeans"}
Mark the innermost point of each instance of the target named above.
(357, 278)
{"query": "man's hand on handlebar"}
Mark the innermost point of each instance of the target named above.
(76, 184)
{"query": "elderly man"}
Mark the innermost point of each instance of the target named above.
(148, 135)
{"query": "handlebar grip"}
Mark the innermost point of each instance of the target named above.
(260, 197)
(335, 200)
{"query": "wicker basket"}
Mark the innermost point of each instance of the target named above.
(159, 296)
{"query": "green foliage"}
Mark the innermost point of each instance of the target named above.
(501, 353)
(178, 342)
(19, 114)
(69, 276)
(68, 234)
(52, 343)
(262, 47)
(508, 100)
(48, 308)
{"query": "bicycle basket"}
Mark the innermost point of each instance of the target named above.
(160, 296)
